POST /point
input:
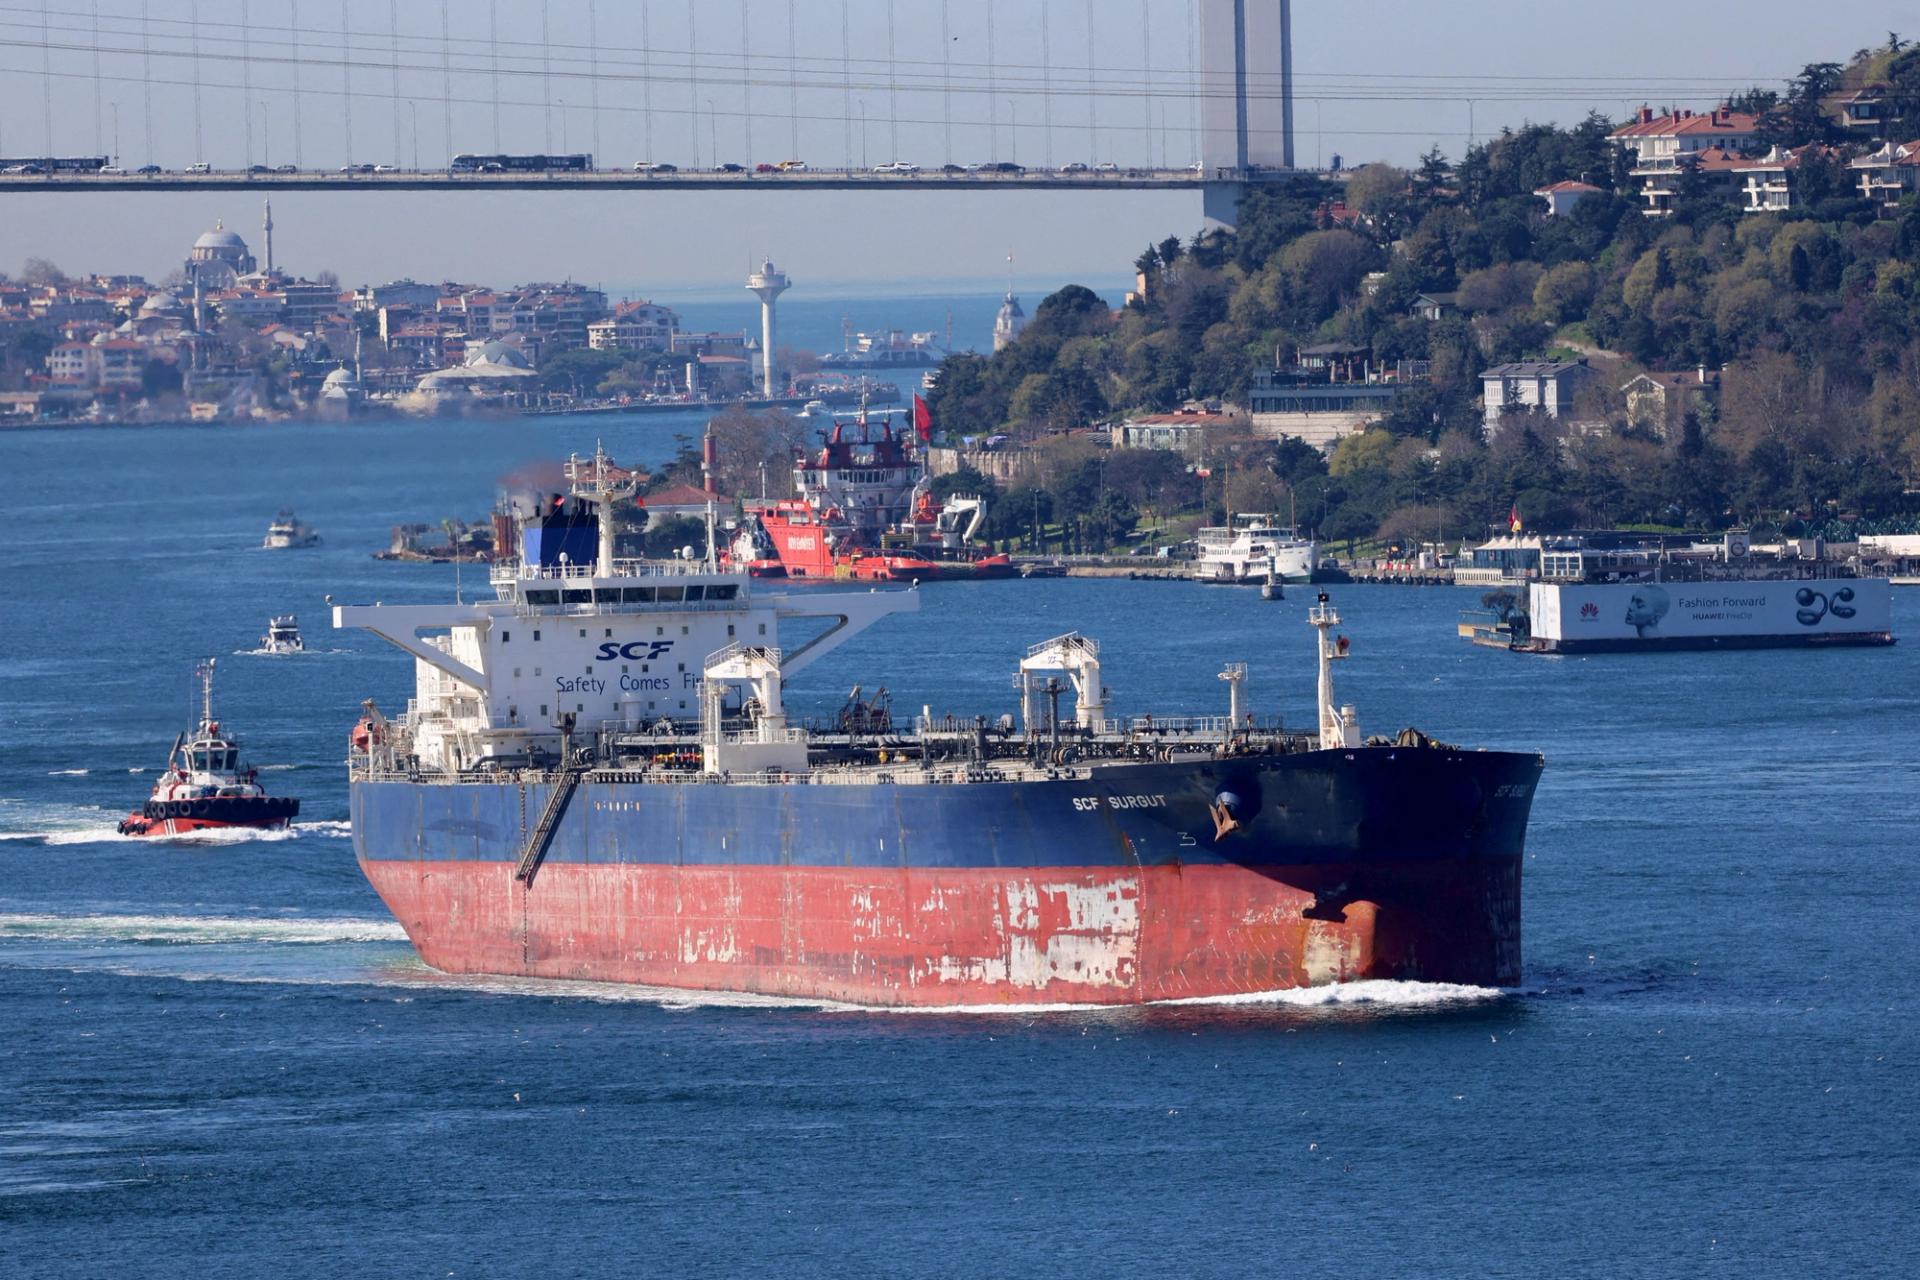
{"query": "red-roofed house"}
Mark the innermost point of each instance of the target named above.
(1561, 197)
(1710, 141)
(1770, 179)
(682, 500)
(1889, 173)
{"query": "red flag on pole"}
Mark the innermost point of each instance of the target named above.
(1513, 519)
(922, 419)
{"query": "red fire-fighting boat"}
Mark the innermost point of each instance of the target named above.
(205, 785)
(866, 513)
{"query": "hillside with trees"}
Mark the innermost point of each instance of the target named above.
(1810, 317)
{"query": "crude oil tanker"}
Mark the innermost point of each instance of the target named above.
(597, 779)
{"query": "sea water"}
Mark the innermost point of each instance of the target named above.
(219, 1056)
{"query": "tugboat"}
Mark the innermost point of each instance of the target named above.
(205, 785)
(283, 636)
(288, 533)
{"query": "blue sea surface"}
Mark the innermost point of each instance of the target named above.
(219, 1057)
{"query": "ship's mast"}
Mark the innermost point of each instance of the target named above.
(1339, 727)
(593, 482)
(204, 673)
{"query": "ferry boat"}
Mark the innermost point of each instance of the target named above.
(206, 785)
(1252, 547)
(288, 532)
(283, 636)
(597, 778)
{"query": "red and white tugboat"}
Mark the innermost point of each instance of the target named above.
(205, 785)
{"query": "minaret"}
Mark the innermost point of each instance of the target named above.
(769, 284)
(268, 228)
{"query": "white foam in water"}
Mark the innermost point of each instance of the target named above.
(67, 773)
(1373, 991)
(85, 826)
(195, 930)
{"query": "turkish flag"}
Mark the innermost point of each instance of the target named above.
(922, 419)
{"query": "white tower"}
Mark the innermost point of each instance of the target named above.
(769, 284)
(1008, 324)
(268, 229)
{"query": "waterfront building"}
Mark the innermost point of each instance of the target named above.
(635, 327)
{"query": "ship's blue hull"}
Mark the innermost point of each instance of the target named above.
(1185, 878)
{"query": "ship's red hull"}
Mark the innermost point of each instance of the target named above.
(136, 824)
(954, 936)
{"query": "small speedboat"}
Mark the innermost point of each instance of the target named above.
(283, 636)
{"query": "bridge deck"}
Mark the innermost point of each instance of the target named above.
(625, 180)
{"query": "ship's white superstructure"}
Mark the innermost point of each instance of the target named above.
(1250, 548)
(577, 642)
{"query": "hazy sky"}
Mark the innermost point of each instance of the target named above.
(1097, 80)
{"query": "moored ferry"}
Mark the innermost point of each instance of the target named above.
(597, 778)
(1252, 547)
(206, 785)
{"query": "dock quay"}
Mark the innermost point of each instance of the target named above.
(1406, 577)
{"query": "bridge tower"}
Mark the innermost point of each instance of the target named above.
(1246, 121)
(768, 283)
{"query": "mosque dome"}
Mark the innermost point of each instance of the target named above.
(219, 238)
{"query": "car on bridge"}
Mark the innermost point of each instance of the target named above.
(1074, 166)
(286, 168)
(897, 167)
(22, 170)
(1106, 166)
(200, 166)
(148, 170)
(959, 168)
(1006, 166)
(766, 166)
(793, 166)
(356, 168)
(648, 166)
(729, 167)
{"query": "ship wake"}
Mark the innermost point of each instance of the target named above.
(159, 930)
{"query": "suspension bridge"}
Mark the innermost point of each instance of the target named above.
(371, 95)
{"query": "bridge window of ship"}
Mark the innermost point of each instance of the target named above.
(576, 595)
(696, 593)
(672, 595)
(637, 595)
(723, 591)
(543, 597)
